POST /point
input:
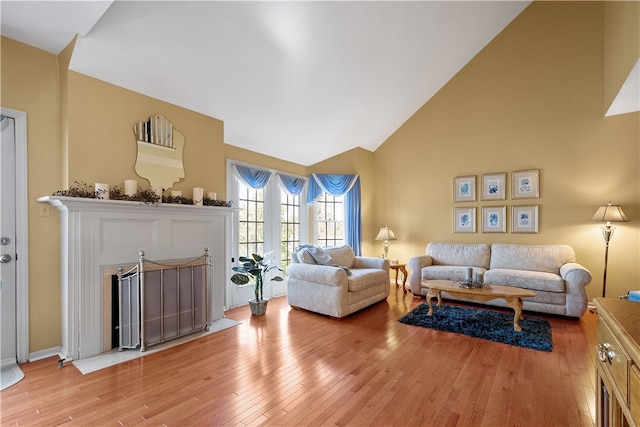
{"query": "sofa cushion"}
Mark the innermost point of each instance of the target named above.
(342, 255)
(534, 280)
(546, 258)
(448, 272)
(363, 278)
(466, 254)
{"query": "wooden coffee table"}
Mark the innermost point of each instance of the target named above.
(513, 296)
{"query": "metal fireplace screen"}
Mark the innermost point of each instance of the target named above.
(159, 302)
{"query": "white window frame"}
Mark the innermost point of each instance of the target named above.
(303, 209)
(315, 220)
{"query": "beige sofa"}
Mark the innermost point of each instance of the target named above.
(549, 270)
(338, 286)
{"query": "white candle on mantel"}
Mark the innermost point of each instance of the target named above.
(212, 196)
(198, 194)
(102, 190)
(130, 187)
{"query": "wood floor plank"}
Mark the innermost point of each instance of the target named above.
(292, 367)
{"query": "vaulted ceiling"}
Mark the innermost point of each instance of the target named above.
(297, 80)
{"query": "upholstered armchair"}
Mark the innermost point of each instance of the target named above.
(335, 282)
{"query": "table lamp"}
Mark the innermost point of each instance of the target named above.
(385, 234)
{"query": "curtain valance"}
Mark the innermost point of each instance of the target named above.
(254, 178)
(333, 184)
(292, 184)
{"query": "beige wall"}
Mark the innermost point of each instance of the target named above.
(532, 99)
(64, 58)
(257, 159)
(102, 145)
(30, 84)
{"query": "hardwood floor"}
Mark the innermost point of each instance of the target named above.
(293, 367)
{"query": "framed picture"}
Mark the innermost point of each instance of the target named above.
(464, 189)
(493, 186)
(494, 219)
(464, 220)
(524, 219)
(525, 184)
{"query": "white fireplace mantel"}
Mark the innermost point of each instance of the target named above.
(98, 234)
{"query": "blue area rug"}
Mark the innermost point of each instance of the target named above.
(485, 324)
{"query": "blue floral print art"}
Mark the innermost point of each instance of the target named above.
(465, 220)
(494, 220)
(464, 189)
(493, 187)
(524, 219)
(525, 185)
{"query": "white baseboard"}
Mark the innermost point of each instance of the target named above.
(43, 354)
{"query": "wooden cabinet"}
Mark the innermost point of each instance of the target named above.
(618, 363)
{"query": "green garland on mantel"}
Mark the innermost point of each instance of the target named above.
(81, 189)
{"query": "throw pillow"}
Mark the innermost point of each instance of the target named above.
(311, 254)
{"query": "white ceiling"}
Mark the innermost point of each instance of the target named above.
(628, 99)
(297, 80)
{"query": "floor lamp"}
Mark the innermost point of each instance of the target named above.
(385, 234)
(608, 213)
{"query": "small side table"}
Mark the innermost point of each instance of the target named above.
(400, 267)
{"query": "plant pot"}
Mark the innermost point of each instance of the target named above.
(258, 308)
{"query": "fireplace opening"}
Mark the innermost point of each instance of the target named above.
(152, 302)
(115, 312)
(115, 308)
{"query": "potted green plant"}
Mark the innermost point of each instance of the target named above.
(252, 273)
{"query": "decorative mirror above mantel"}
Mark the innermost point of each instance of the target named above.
(159, 156)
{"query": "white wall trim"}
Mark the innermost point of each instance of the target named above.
(22, 230)
(47, 352)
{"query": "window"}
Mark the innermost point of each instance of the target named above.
(330, 220)
(289, 226)
(251, 221)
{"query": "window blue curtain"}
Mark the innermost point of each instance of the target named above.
(291, 184)
(338, 185)
(353, 227)
(254, 178)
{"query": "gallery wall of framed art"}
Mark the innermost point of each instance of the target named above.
(524, 218)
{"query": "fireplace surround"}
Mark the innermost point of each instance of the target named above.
(97, 236)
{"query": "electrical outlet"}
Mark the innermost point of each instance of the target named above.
(43, 209)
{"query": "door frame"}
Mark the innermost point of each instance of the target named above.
(22, 227)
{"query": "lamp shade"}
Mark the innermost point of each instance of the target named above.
(609, 213)
(386, 234)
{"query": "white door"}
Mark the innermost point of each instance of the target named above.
(8, 331)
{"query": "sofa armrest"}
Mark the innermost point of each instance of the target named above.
(321, 274)
(416, 264)
(576, 278)
(371, 262)
(575, 275)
